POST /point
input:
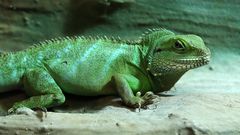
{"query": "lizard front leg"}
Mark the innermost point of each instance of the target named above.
(43, 90)
(126, 93)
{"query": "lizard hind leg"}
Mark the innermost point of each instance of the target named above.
(42, 89)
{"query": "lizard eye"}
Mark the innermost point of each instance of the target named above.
(179, 45)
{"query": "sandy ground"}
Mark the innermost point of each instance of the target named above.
(204, 101)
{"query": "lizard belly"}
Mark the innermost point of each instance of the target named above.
(80, 78)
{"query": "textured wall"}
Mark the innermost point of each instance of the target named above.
(29, 21)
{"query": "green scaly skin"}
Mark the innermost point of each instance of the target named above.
(102, 66)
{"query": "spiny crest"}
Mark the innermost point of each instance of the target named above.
(150, 30)
(74, 38)
(154, 32)
(57, 40)
(88, 38)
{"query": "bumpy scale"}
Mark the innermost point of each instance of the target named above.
(101, 66)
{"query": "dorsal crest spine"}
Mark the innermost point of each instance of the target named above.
(87, 38)
(153, 30)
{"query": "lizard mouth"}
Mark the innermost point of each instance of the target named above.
(192, 63)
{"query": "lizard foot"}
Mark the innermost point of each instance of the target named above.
(141, 101)
(40, 112)
(21, 110)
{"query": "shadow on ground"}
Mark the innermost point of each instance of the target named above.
(73, 104)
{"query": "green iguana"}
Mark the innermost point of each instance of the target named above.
(101, 66)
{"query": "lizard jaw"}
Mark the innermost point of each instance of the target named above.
(167, 66)
(192, 63)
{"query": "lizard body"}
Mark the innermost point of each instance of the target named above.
(101, 66)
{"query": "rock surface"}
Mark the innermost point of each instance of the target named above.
(204, 101)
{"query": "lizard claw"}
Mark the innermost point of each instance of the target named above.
(139, 107)
(138, 94)
(42, 109)
(141, 101)
(148, 97)
(41, 112)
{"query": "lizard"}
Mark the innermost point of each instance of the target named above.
(86, 66)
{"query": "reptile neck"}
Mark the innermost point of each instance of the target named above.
(165, 82)
(159, 83)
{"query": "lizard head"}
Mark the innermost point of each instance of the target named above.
(170, 53)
